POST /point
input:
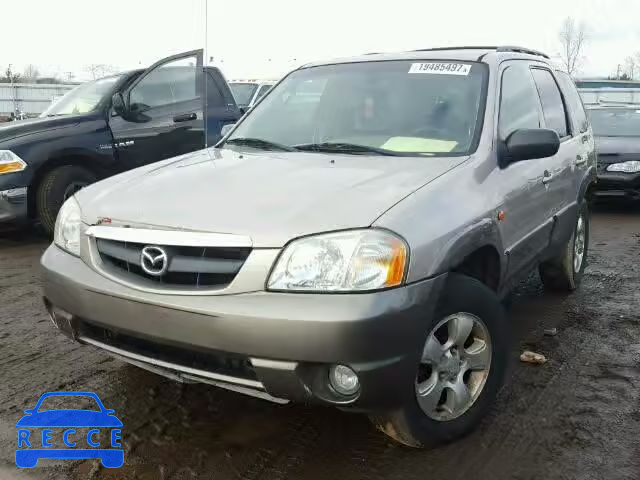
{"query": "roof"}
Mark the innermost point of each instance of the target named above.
(465, 54)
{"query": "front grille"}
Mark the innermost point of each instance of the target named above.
(190, 267)
(201, 359)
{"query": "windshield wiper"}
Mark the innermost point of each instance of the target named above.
(259, 143)
(344, 147)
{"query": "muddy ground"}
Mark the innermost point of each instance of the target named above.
(577, 417)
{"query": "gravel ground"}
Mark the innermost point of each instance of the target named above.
(576, 417)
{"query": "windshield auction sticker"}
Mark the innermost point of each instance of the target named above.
(441, 68)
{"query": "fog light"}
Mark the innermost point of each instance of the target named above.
(344, 380)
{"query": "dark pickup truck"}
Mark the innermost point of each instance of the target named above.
(108, 126)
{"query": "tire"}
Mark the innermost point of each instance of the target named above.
(560, 274)
(56, 186)
(413, 426)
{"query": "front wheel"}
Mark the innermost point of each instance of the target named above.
(55, 187)
(565, 272)
(460, 371)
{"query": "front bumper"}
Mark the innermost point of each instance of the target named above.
(288, 340)
(618, 185)
(13, 205)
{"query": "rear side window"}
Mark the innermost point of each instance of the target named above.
(576, 108)
(552, 107)
(519, 105)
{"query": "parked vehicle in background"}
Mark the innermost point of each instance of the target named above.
(617, 131)
(108, 126)
(351, 241)
(248, 92)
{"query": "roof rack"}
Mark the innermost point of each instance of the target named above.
(504, 48)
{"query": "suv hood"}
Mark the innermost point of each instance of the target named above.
(20, 128)
(271, 197)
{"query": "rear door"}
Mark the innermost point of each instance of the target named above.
(166, 112)
(580, 127)
(560, 172)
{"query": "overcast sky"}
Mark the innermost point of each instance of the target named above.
(266, 39)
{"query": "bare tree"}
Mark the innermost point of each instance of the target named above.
(30, 73)
(630, 66)
(573, 38)
(97, 70)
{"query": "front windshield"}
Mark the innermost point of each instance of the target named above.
(615, 122)
(82, 99)
(425, 107)
(243, 92)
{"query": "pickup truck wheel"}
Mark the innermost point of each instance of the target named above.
(56, 186)
(461, 368)
(565, 272)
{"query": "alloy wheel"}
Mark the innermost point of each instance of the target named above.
(454, 368)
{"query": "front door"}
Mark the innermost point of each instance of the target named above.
(522, 186)
(165, 112)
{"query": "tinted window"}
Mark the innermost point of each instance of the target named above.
(243, 92)
(263, 89)
(171, 82)
(426, 107)
(552, 106)
(574, 102)
(519, 105)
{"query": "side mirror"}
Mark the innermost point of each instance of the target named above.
(118, 103)
(528, 144)
(226, 129)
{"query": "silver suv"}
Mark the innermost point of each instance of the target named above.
(347, 243)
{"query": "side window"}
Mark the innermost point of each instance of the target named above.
(552, 106)
(519, 105)
(576, 108)
(263, 89)
(169, 83)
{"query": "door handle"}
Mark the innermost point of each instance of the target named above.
(547, 177)
(580, 160)
(185, 117)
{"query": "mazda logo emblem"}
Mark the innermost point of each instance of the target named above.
(154, 260)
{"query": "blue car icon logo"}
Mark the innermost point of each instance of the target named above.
(69, 433)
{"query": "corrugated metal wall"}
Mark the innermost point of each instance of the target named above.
(31, 99)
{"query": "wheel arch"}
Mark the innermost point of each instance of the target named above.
(476, 252)
(75, 157)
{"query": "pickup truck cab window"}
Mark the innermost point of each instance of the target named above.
(555, 115)
(170, 83)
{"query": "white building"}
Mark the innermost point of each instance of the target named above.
(30, 98)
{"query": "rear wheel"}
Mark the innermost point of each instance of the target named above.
(565, 272)
(460, 371)
(56, 186)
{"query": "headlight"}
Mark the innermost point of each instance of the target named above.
(631, 166)
(10, 162)
(353, 260)
(67, 231)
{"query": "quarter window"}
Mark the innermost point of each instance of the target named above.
(553, 110)
(519, 106)
(574, 102)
